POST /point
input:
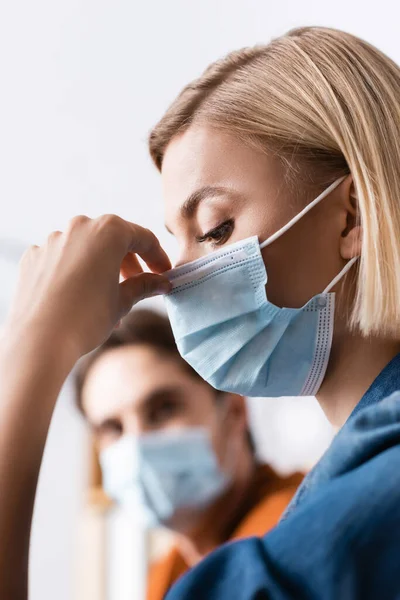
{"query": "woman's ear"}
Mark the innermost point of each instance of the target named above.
(350, 244)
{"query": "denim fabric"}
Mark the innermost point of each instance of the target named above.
(340, 538)
(338, 458)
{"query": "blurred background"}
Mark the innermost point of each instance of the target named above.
(82, 83)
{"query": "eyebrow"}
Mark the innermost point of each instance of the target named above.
(191, 204)
(144, 403)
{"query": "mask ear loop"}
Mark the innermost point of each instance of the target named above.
(301, 214)
(342, 273)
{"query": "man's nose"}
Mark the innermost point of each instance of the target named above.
(131, 425)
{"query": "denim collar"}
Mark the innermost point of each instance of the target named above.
(387, 382)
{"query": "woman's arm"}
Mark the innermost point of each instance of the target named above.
(68, 300)
(32, 372)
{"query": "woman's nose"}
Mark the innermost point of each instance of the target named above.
(180, 262)
(187, 255)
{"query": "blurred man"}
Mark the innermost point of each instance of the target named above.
(173, 449)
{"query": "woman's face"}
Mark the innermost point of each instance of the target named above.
(219, 190)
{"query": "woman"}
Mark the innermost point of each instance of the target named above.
(296, 143)
(148, 408)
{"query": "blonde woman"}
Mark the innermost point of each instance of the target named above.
(280, 170)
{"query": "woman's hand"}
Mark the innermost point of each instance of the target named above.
(68, 300)
(68, 292)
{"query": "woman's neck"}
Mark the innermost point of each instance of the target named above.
(213, 526)
(354, 364)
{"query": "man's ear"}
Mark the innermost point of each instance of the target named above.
(351, 239)
(236, 412)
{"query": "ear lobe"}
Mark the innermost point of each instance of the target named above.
(350, 245)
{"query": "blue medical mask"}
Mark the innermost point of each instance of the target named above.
(235, 338)
(156, 474)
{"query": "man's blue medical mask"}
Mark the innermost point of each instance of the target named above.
(156, 474)
(228, 331)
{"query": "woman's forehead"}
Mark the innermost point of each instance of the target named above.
(204, 157)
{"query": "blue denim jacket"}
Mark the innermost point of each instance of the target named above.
(340, 537)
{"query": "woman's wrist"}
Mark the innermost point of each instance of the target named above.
(27, 345)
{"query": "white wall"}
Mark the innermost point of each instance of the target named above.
(53, 566)
(82, 82)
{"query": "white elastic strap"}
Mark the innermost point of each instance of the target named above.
(342, 273)
(301, 214)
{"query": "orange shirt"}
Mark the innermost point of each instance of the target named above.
(268, 496)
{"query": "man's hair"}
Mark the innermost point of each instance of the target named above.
(140, 327)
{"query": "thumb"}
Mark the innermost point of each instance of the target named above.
(141, 286)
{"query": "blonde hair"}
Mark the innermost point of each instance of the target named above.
(326, 99)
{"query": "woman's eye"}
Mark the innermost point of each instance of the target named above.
(219, 235)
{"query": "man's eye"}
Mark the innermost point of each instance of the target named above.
(110, 427)
(164, 411)
(108, 432)
(219, 235)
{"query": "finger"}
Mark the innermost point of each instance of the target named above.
(130, 266)
(142, 241)
(135, 239)
(139, 287)
(54, 236)
(28, 255)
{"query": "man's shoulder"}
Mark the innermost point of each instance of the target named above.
(273, 492)
(164, 572)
